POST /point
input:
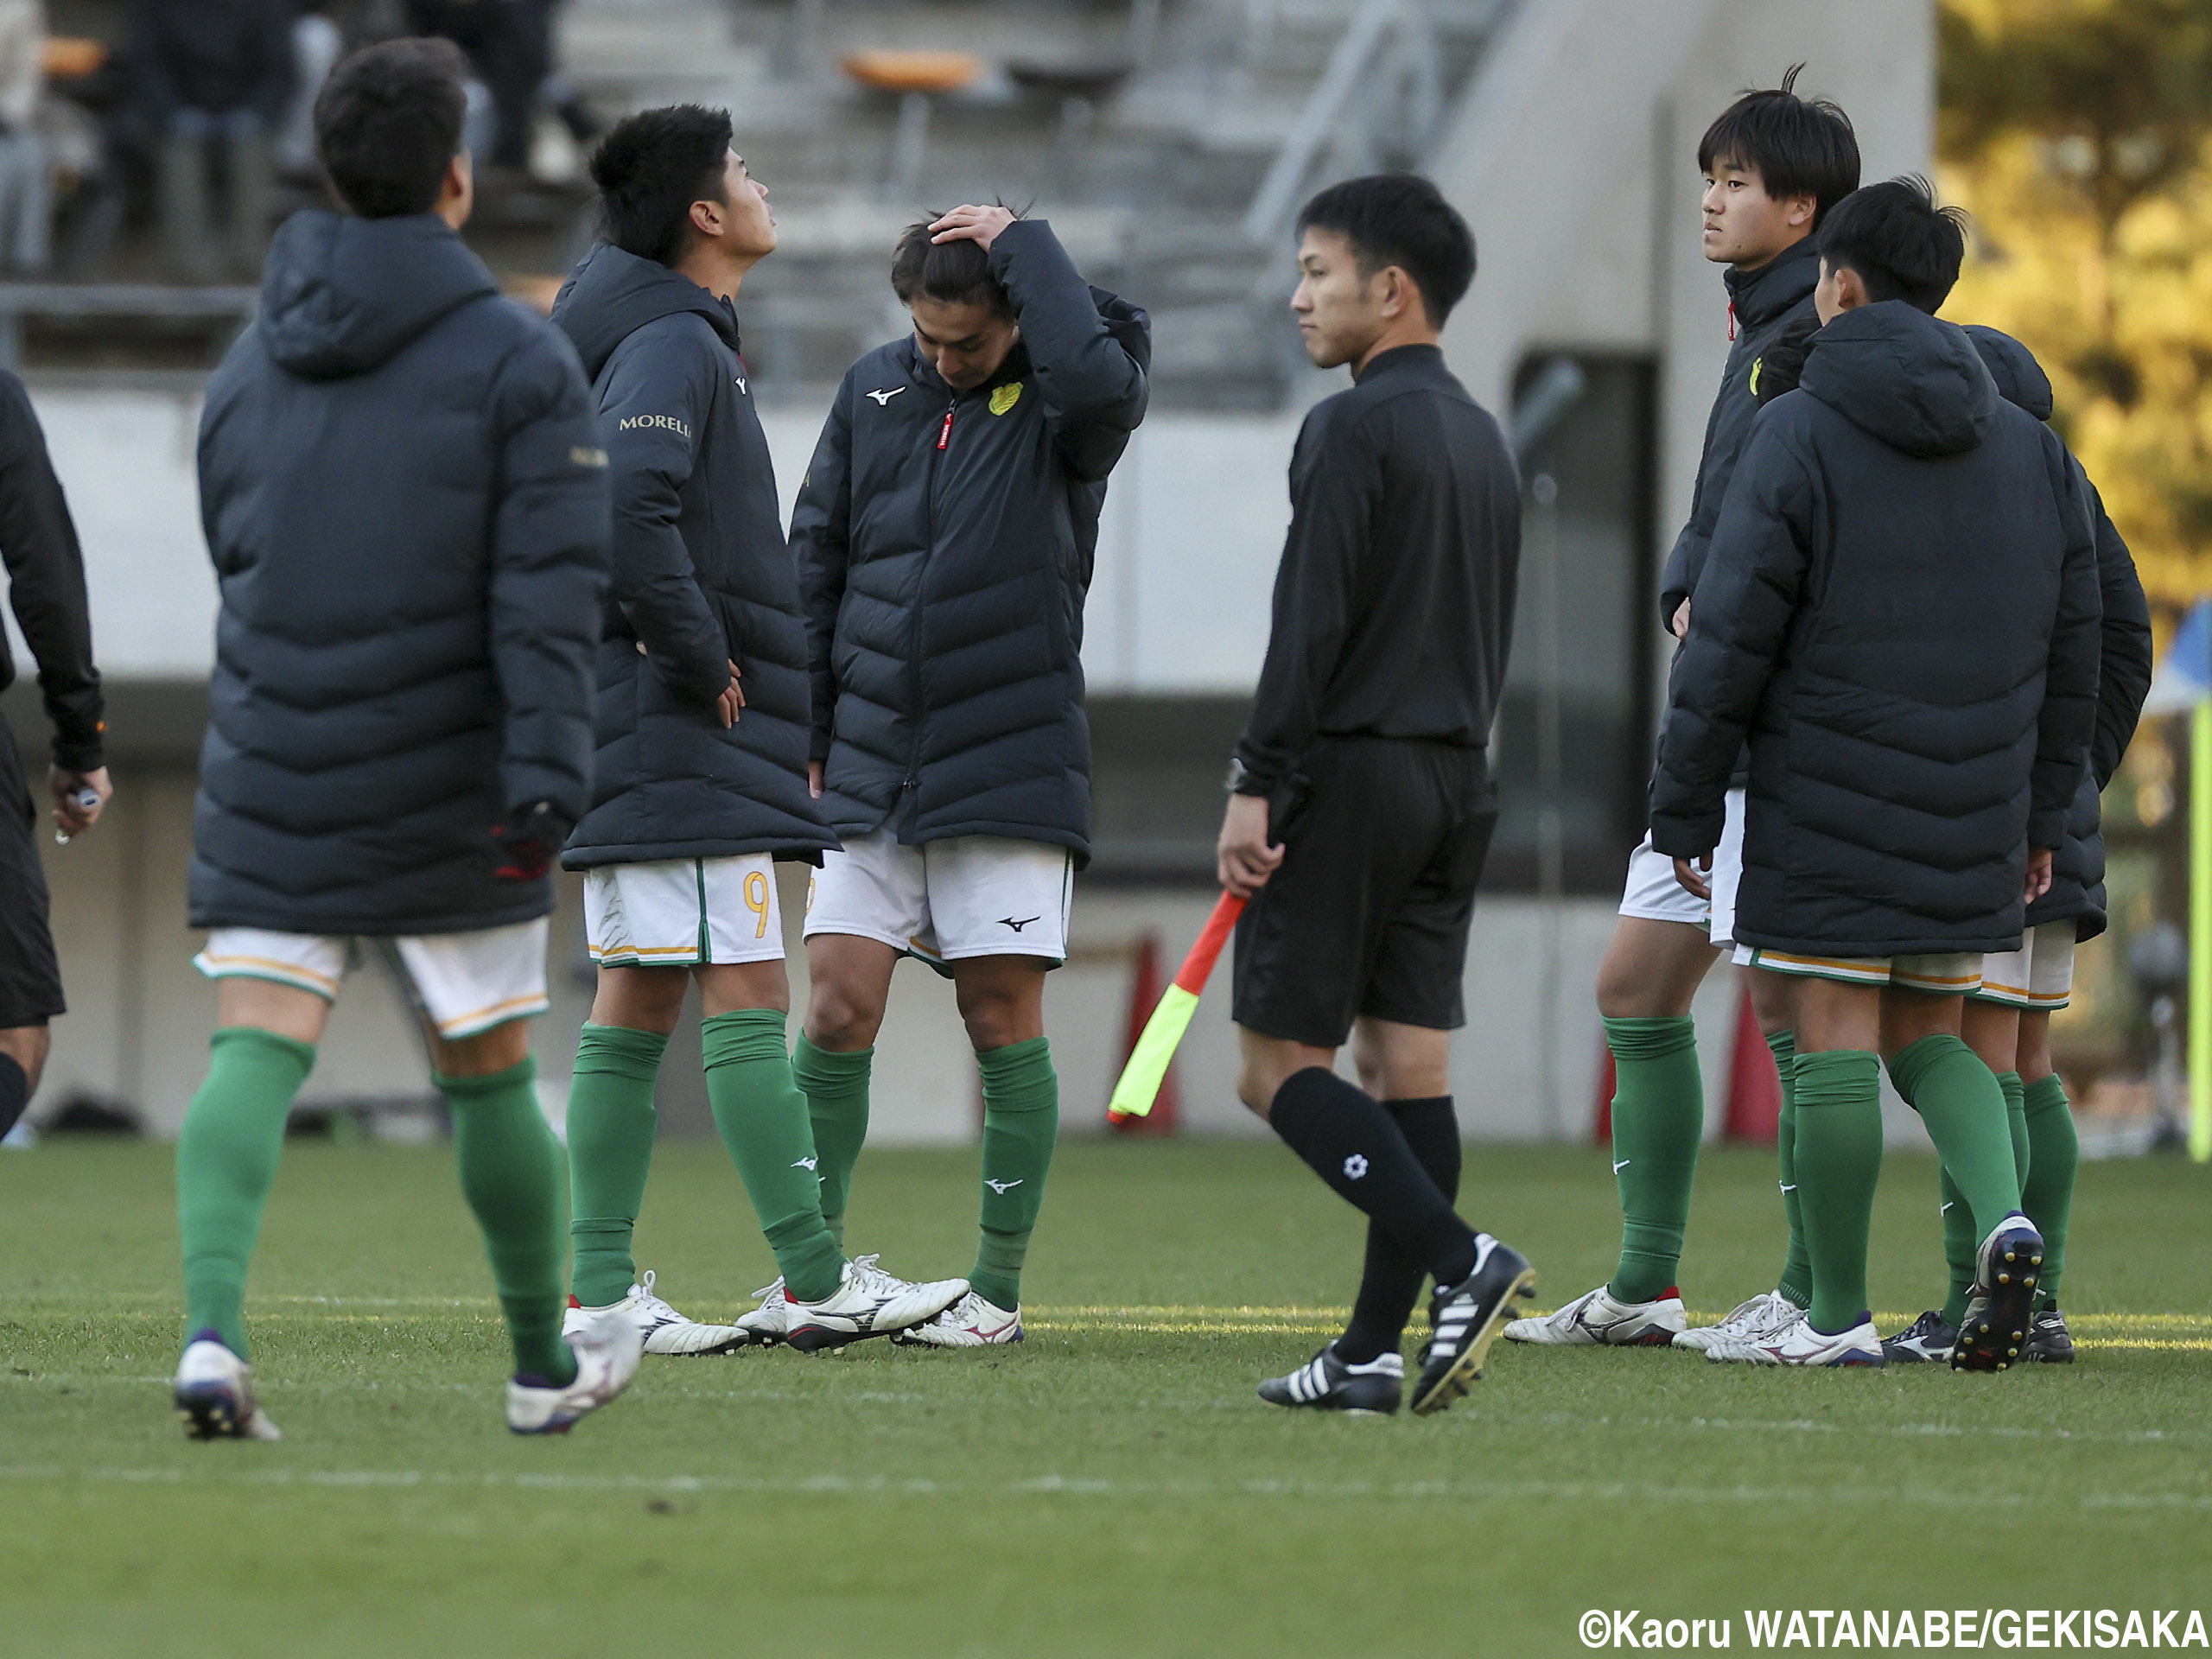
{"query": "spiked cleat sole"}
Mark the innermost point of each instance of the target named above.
(1453, 1384)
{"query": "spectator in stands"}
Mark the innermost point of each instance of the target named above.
(26, 172)
(509, 47)
(215, 77)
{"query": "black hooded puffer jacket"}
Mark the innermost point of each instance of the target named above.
(947, 544)
(702, 577)
(1900, 608)
(406, 504)
(2077, 886)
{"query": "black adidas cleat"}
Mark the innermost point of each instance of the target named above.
(2007, 1268)
(2048, 1342)
(1466, 1319)
(1929, 1338)
(1326, 1382)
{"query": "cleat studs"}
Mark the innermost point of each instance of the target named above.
(2004, 1278)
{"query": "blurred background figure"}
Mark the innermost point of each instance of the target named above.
(214, 78)
(509, 47)
(26, 171)
(318, 42)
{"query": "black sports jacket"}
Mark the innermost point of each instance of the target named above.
(1394, 601)
(1770, 307)
(46, 584)
(945, 542)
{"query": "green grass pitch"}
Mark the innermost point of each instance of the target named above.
(1112, 1488)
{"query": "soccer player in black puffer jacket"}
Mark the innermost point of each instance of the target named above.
(406, 506)
(945, 533)
(1900, 610)
(2008, 1021)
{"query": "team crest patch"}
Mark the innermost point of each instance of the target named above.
(1005, 397)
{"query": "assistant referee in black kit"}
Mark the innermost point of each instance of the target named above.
(1362, 805)
(46, 583)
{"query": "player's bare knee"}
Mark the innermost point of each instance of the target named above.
(839, 1020)
(1774, 1001)
(640, 999)
(485, 1054)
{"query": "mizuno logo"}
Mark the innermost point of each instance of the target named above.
(1008, 921)
(1790, 1187)
(740, 386)
(1622, 1165)
(1946, 1209)
(883, 397)
(804, 1163)
(1002, 1187)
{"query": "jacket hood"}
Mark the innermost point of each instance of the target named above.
(342, 295)
(612, 294)
(1902, 376)
(2019, 377)
(1759, 296)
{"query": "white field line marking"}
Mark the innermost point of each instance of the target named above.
(2008, 1431)
(1079, 1486)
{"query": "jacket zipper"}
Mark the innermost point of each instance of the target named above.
(921, 584)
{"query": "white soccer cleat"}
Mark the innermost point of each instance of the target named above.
(1600, 1319)
(1800, 1345)
(665, 1330)
(972, 1322)
(1769, 1313)
(869, 1303)
(608, 1347)
(767, 1323)
(214, 1392)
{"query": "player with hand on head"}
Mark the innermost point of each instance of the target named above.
(700, 783)
(406, 504)
(1774, 162)
(1913, 759)
(1362, 805)
(945, 531)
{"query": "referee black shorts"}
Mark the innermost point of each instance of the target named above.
(1384, 840)
(30, 979)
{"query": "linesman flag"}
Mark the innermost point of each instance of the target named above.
(1163, 1032)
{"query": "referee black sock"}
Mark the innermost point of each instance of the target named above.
(1390, 1285)
(1351, 1143)
(14, 1093)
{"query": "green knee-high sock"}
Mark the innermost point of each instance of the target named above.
(837, 1104)
(762, 1116)
(612, 1123)
(1796, 1280)
(511, 1174)
(1021, 1124)
(1958, 1098)
(1839, 1165)
(1960, 1239)
(2047, 1193)
(1658, 1118)
(226, 1163)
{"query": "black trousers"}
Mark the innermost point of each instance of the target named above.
(30, 978)
(1384, 840)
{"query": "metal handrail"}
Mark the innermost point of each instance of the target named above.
(1389, 53)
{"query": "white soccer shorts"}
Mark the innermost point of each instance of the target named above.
(467, 983)
(683, 913)
(2039, 977)
(947, 900)
(1946, 975)
(1653, 892)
